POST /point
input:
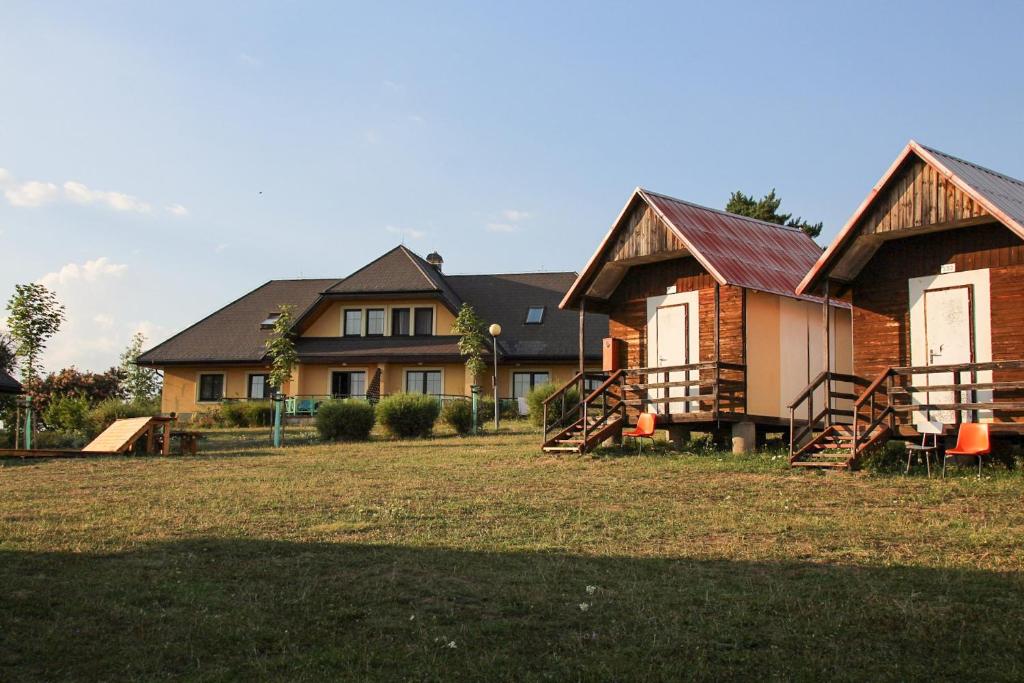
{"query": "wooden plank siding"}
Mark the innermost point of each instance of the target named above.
(627, 311)
(918, 196)
(644, 235)
(880, 296)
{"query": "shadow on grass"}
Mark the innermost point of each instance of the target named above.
(233, 609)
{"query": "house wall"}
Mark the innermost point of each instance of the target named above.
(329, 322)
(181, 386)
(880, 295)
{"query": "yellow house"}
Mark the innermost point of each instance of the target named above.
(385, 329)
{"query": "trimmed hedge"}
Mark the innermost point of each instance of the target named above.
(350, 420)
(248, 413)
(535, 399)
(408, 415)
(459, 416)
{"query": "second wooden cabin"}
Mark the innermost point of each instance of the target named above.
(706, 329)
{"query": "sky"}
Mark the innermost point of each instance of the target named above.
(158, 160)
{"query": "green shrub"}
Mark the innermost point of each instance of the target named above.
(235, 413)
(106, 412)
(59, 438)
(208, 418)
(350, 420)
(535, 399)
(890, 457)
(485, 410)
(260, 413)
(408, 415)
(68, 414)
(459, 416)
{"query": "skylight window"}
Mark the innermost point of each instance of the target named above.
(535, 315)
(270, 320)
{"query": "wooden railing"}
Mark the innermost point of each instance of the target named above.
(890, 399)
(559, 411)
(710, 387)
(805, 422)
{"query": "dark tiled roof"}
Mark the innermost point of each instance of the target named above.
(399, 270)
(233, 333)
(504, 299)
(373, 349)
(9, 385)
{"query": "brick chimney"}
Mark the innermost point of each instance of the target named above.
(434, 259)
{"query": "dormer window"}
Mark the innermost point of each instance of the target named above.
(268, 323)
(535, 315)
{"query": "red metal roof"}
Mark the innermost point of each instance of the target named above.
(738, 250)
(735, 250)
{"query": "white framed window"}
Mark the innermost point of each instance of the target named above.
(258, 386)
(348, 383)
(211, 387)
(525, 382)
(375, 322)
(353, 322)
(424, 382)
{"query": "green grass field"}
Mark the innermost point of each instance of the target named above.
(482, 559)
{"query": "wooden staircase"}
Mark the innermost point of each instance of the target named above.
(834, 447)
(571, 439)
(579, 427)
(836, 438)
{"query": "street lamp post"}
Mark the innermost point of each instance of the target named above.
(495, 330)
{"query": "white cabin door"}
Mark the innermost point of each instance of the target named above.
(949, 321)
(672, 340)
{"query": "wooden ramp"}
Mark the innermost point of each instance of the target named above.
(122, 435)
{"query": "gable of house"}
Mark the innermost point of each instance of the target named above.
(924, 191)
(9, 385)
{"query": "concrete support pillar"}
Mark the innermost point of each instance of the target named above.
(744, 436)
(678, 435)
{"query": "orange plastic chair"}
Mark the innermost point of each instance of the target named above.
(644, 430)
(972, 441)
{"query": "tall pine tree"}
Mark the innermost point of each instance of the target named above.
(767, 209)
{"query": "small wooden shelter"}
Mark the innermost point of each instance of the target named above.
(706, 328)
(932, 264)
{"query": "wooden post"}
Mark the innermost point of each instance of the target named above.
(167, 437)
(151, 439)
(827, 346)
(583, 328)
(718, 325)
(744, 347)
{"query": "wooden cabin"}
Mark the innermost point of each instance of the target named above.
(932, 263)
(706, 329)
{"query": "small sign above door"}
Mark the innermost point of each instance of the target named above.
(947, 268)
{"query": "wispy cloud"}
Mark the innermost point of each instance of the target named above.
(103, 320)
(118, 201)
(31, 194)
(220, 248)
(35, 193)
(246, 59)
(392, 86)
(411, 233)
(516, 215)
(501, 227)
(90, 271)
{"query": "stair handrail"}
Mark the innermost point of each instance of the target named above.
(879, 387)
(600, 391)
(806, 395)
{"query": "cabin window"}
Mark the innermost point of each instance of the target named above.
(211, 387)
(424, 323)
(535, 315)
(590, 384)
(353, 322)
(525, 382)
(423, 382)
(375, 322)
(400, 322)
(347, 384)
(268, 322)
(259, 387)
